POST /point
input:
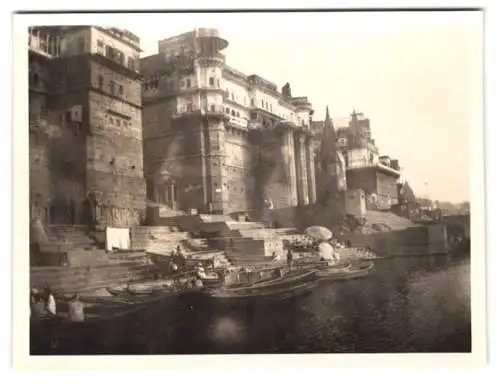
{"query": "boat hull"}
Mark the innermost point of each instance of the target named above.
(271, 289)
(351, 271)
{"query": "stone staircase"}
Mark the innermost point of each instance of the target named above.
(88, 278)
(243, 242)
(72, 236)
(387, 221)
(157, 239)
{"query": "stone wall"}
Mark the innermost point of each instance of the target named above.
(101, 152)
(301, 217)
(80, 279)
(114, 148)
(273, 174)
(362, 179)
(387, 190)
(240, 174)
(412, 241)
(172, 151)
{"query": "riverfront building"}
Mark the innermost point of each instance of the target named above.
(215, 137)
(85, 124)
(366, 170)
(179, 128)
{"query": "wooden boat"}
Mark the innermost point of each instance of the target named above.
(129, 291)
(354, 269)
(107, 320)
(293, 284)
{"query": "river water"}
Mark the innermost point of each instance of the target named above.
(409, 304)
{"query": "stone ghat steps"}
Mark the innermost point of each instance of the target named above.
(210, 218)
(81, 279)
(197, 244)
(127, 256)
(235, 225)
(246, 251)
(264, 233)
(388, 219)
(157, 238)
(190, 222)
(66, 234)
(154, 230)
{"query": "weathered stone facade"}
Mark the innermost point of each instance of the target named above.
(85, 127)
(226, 141)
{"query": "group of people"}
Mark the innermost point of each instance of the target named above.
(43, 304)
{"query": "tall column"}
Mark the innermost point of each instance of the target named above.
(288, 151)
(204, 174)
(301, 165)
(311, 171)
(173, 206)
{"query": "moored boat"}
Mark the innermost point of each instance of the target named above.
(292, 284)
(343, 271)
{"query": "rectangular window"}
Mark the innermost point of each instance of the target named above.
(109, 52)
(112, 87)
(100, 43)
(81, 45)
(120, 57)
(211, 81)
(262, 102)
(101, 81)
(188, 83)
(120, 89)
(130, 63)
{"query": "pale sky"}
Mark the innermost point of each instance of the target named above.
(410, 73)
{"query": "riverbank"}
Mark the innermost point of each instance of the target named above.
(409, 304)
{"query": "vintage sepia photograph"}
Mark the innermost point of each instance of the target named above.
(250, 183)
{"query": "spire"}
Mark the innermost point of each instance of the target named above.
(328, 147)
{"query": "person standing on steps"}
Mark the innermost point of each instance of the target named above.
(289, 258)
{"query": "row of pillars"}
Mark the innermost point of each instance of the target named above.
(298, 154)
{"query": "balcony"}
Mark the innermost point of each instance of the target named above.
(43, 46)
(210, 110)
(354, 165)
(212, 55)
(237, 122)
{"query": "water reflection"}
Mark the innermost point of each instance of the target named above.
(419, 304)
(408, 305)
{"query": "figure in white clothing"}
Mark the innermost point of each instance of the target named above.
(50, 301)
